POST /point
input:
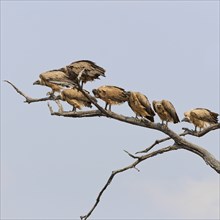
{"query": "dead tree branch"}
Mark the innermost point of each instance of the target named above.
(207, 157)
(186, 132)
(29, 99)
(179, 142)
(133, 165)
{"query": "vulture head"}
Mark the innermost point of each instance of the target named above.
(95, 92)
(38, 82)
(186, 118)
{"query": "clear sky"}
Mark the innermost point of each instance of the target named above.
(53, 167)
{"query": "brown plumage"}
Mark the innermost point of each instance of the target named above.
(55, 79)
(201, 117)
(140, 105)
(70, 76)
(84, 71)
(111, 95)
(166, 111)
(76, 98)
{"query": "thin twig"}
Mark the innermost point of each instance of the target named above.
(50, 108)
(29, 99)
(60, 107)
(131, 155)
(186, 132)
(203, 132)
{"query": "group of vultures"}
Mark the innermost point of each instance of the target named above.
(69, 80)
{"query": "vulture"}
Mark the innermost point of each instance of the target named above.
(70, 76)
(166, 111)
(140, 105)
(55, 79)
(84, 71)
(76, 98)
(111, 95)
(201, 117)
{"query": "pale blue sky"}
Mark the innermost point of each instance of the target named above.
(54, 167)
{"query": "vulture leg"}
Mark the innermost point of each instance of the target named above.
(81, 85)
(167, 123)
(51, 94)
(106, 104)
(110, 107)
(74, 109)
(195, 128)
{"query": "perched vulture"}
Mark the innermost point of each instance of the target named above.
(55, 79)
(84, 71)
(111, 95)
(166, 111)
(71, 75)
(76, 98)
(140, 105)
(201, 117)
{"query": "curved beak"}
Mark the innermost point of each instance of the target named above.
(185, 120)
(36, 82)
(94, 91)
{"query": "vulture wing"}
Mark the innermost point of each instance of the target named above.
(205, 115)
(168, 106)
(116, 94)
(89, 68)
(145, 103)
(57, 77)
(154, 105)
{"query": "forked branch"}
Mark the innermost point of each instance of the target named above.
(28, 99)
(186, 132)
(133, 165)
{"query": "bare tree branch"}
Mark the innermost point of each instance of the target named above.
(207, 157)
(133, 165)
(29, 99)
(179, 142)
(186, 132)
(203, 132)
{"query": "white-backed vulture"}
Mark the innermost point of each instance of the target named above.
(55, 79)
(111, 95)
(76, 98)
(84, 71)
(201, 117)
(140, 105)
(166, 111)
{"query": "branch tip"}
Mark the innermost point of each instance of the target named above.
(131, 155)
